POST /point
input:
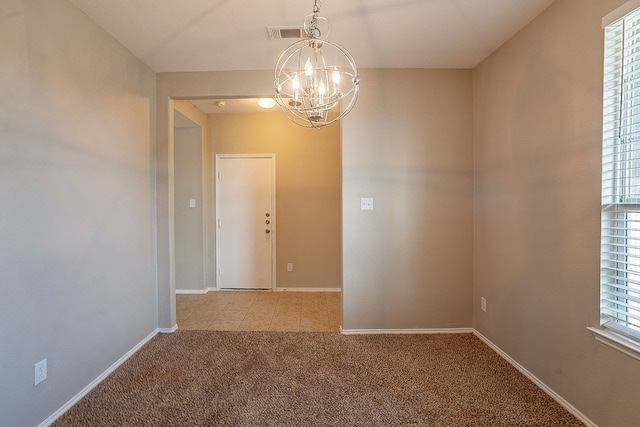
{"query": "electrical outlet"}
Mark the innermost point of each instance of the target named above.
(40, 372)
(483, 304)
(289, 266)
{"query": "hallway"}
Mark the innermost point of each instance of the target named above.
(260, 311)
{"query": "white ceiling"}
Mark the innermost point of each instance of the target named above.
(231, 106)
(211, 35)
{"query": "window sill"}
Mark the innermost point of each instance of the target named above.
(617, 341)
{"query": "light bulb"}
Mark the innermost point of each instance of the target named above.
(295, 84)
(336, 75)
(308, 68)
(321, 91)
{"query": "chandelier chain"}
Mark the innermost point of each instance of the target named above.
(313, 26)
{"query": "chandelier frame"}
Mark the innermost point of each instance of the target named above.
(311, 93)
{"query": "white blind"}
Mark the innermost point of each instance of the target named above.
(620, 253)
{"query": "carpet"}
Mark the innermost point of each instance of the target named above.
(210, 378)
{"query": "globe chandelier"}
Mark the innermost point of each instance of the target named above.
(316, 80)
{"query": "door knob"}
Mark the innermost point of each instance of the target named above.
(267, 231)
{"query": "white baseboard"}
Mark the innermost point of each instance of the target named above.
(168, 330)
(95, 382)
(569, 407)
(405, 331)
(206, 291)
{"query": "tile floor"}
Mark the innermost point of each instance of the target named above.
(260, 311)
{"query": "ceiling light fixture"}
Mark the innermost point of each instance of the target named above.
(316, 81)
(266, 103)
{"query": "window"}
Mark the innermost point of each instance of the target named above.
(620, 245)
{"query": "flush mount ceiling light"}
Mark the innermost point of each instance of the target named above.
(266, 103)
(316, 81)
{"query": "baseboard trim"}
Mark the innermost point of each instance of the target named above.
(191, 291)
(565, 404)
(206, 291)
(95, 382)
(168, 330)
(405, 331)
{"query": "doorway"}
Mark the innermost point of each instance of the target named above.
(245, 221)
(308, 252)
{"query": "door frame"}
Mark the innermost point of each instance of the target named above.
(274, 217)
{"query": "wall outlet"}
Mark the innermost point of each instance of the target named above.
(483, 304)
(289, 266)
(40, 372)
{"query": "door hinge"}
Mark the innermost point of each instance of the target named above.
(219, 222)
(219, 175)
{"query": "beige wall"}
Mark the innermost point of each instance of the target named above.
(308, 188)
(538, 115)
(189, 229)
(77, 231)
(190, 168)
(408, 264)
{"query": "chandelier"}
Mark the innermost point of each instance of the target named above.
(316, 81)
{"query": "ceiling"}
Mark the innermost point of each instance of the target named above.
(212, 35)
(231, 106)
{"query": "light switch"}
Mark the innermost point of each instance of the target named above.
(366, 203)
(192, 203)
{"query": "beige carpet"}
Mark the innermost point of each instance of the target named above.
(208, 378)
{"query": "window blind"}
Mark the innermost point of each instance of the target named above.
(620, 243)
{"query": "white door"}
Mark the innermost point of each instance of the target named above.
(245, 221)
